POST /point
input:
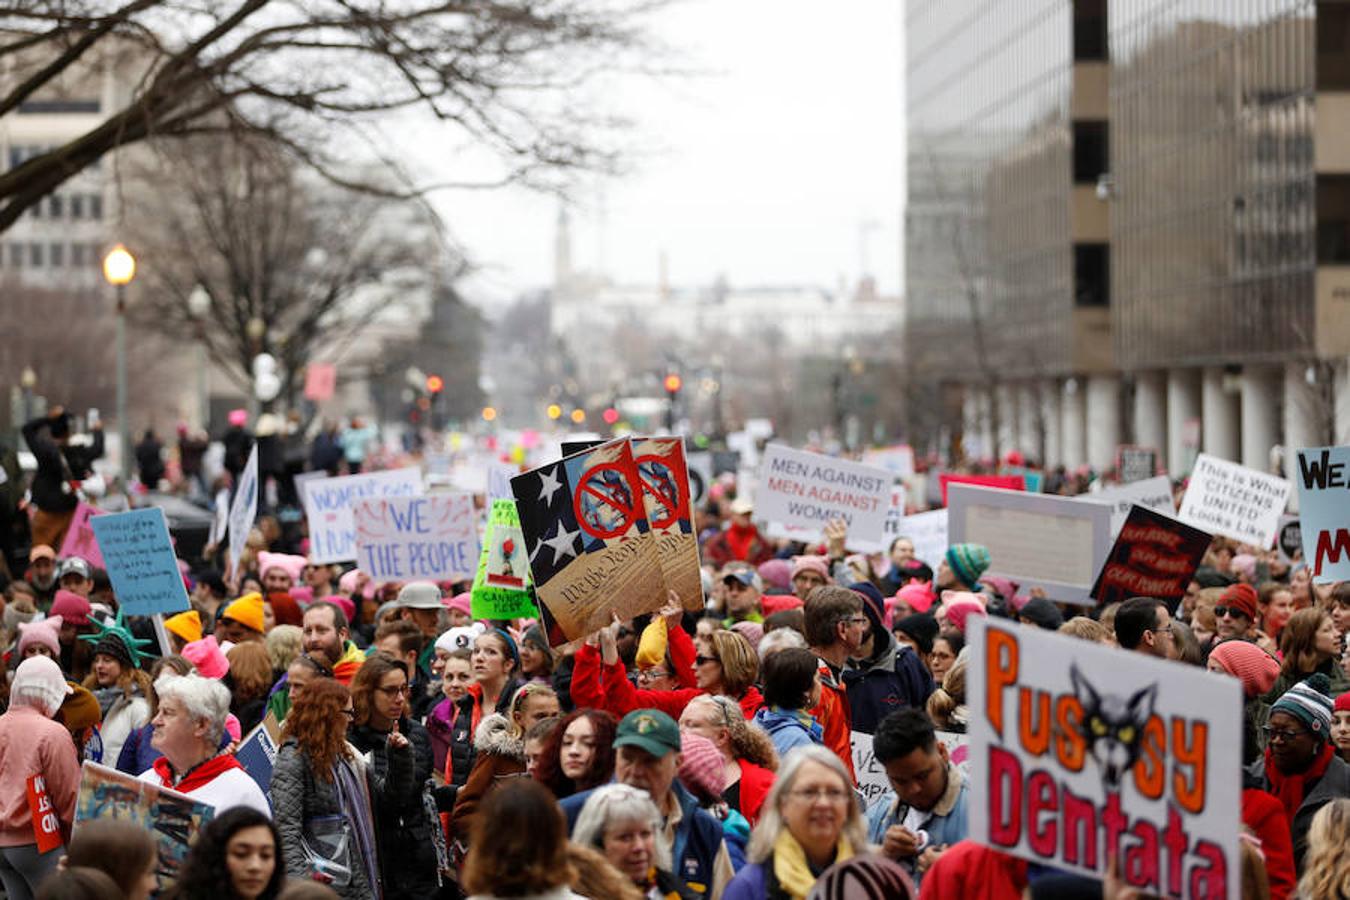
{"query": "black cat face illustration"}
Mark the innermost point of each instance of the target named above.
(1113, 726)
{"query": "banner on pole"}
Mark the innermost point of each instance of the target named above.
(433, 538)
(80, 540)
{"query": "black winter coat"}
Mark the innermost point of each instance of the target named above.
(402, 827)
(56, 465)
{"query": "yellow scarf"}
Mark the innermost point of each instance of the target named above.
(790, 866)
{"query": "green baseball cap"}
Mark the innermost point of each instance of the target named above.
(650, 730)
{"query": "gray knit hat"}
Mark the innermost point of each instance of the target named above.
(1308, 702)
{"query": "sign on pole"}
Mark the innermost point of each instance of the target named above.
(1324, 517)
(1234, 501)
(329, 502)
(1081, 754)
(804, 491)
(1135, 463)
(244, 509)
(140, 561)
(431, 538)
(1037, 540)
(320, 381)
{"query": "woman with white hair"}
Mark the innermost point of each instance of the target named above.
(623, 823)
(187, 730)
(34, 749)
(810, 821)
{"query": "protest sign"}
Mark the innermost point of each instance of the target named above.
(1082, 753)
(1032, 479)
(872, 779)
(665, 492)
(898, 459)
(329, 502)
(1055, 543)
(1135, 463)
(1005, 482)
(927, 531)
(431, 538)
(171, 818)
(588, 540)
(257, 751)
(1323, 482)
(320, 381)
(1151, 493)
(220, 518)
(805, 490)
(1154, 556)
(501, 583)
(700, 466)
(140, 561)
(499, 477)
(244, 508)
(80, 540)
(1290, 539)
(46, 825)
(1234, 501)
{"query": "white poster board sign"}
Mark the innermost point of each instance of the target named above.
(1234, 501)
(898, 460)
(1081, 752)
(244, 509)
(805, 490)
(927, 531)
(1037, 540)
(329, 502)
(1151, 493)
(417, 538)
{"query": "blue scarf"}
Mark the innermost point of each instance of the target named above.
(355, 799)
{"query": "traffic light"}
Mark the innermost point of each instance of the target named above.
(554, 411)
(489, 414)
(610, 415)
(578, 416)
(673, 384)
(435, 384)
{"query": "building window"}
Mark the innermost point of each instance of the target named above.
(1333, 47)
(77, 255)
(60, 106)
(1333, 219)
(36, 252)
(1092, 274)
(1091, 151)
(56, 254)
(56, 206)
(95, 206)
(1089, 30)
(77, 206)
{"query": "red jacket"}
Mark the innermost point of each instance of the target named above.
(755, 784)
(969, 870)
(1264, 815)
(835, 718)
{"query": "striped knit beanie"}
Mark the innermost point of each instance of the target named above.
(968, 562)
(1308, 702)
(864, 878)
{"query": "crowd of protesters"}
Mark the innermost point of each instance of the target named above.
(424, 753)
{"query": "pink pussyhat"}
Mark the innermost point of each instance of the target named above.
(207, 656)
(959, 606)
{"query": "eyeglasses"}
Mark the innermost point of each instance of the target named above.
(392, 692)
(1277, 735)
(1166, 629)
(651, 674)
(833, 795)
(1221, 611)
(700, 660)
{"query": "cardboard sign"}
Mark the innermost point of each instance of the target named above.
(329, 502)
(140, 561)
(1135, 463)
(1152, 493)
(1056, 543)
(501, 583)
(173, 819)
(589, 541)
(1003, 482)
(806, 490)
(1081, 752)
(46, 826)
(665, 491)
(1154, 556)
(431, 538)
(927, 531)
(257, 752)
(244, 508)
(320, 381)
(80, 540)
(872, 780)
(1323, 488)
(1234, 501)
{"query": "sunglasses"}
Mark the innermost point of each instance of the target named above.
(1221, 611)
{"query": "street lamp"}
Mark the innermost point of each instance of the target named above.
(28, 381)
(199, 306)
(119, 267)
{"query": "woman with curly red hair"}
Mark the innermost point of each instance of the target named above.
(579, 753)
(323, 793)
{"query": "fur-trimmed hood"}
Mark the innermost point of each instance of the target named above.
(494, 736)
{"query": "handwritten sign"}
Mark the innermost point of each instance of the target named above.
(1151, 493)
(1154, 556)
(501, 582)
(140, 561)
(1234, 501)
(1080, 753)
(1037, 540)
(927, 531)
(80, 540)
(873, 782)
(329, 502)
(1323, 486)
(244, 509)
(172, 819)
(409, 538)
(806, 490)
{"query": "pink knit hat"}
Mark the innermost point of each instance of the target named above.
(207, 656)
(818, 564)
(44, 631)
(753, 632)
(701, 766)
(348, 582)
(71, 607)
(958, 606)
(345, 604)
(776, 573)
(1248, 663)
(773, 603)
(460, 603)
(290, 564)
(919, 595)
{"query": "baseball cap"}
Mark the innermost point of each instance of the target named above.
(650, 730)
(74, 565)
(419, 595)
(742, 506)
(745, 577)
(41, 551)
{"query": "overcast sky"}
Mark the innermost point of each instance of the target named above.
(764, 169)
